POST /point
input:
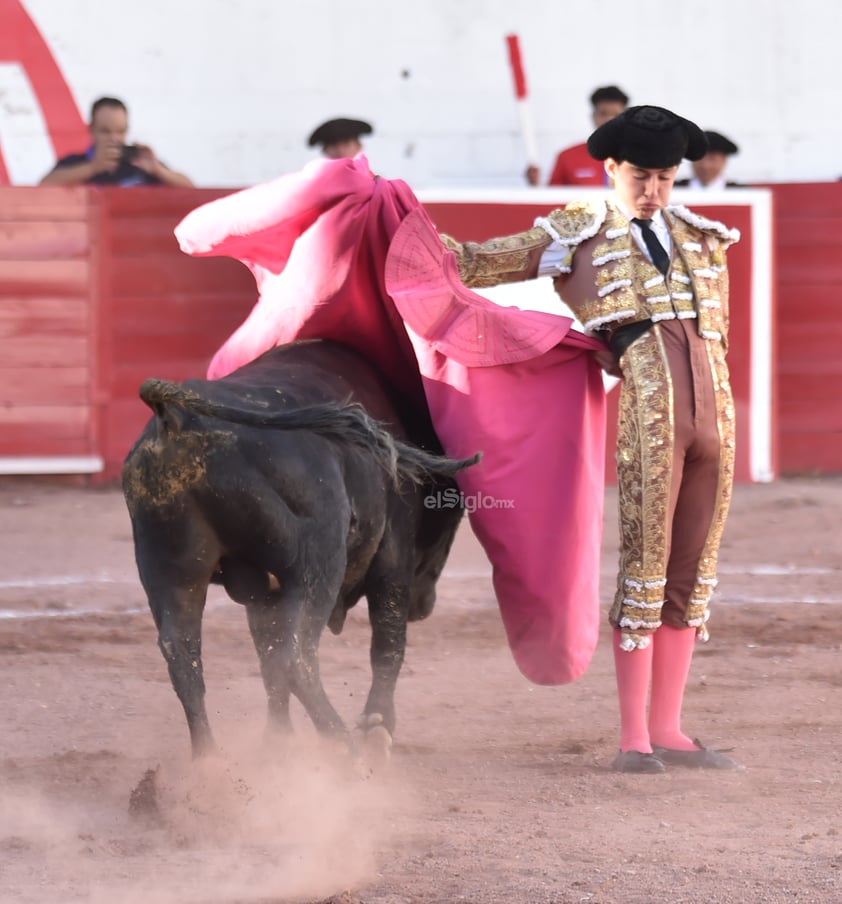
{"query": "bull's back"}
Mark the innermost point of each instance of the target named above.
(319, 371)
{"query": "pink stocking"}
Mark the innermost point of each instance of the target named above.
(673, 651)
(633, 670)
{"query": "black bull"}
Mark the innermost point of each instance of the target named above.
(283, 483)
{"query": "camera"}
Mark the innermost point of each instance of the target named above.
(129, 153)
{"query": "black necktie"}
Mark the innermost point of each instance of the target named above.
(660, 258)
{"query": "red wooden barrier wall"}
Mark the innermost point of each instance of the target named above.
(167, 313)
(49, 258)
(95, 296)
(808, 250)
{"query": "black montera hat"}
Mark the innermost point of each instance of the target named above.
(718, 142)
(339, 130)
(651, 137)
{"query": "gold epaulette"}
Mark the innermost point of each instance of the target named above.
(703, 224)
(578, 221)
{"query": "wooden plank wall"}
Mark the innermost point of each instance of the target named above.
(95, 296)
(167, 313)
(49, 250)
(808, 224)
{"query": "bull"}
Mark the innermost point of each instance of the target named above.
(295, 483)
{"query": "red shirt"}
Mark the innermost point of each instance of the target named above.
(575, 166)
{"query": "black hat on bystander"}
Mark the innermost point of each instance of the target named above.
(335, 130)
(718, 142)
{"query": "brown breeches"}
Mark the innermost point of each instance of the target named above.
(675, 465)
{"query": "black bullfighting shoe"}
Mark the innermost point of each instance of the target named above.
(635, 761)
(700, 758)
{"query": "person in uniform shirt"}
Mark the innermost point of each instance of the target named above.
(574, 165)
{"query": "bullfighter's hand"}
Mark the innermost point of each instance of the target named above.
(606, 359)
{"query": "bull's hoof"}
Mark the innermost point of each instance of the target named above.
(143, 802)
(373, 742)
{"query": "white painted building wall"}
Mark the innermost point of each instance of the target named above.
(228, 90)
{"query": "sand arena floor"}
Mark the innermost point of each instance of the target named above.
(498, 790)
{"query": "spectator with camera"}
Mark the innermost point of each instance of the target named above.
(109, 160)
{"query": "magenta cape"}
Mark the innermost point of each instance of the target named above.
(341, 254)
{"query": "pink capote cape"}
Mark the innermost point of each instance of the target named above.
(339, 253)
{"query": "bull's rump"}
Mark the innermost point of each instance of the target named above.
(238, 489)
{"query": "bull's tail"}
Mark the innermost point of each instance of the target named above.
(345, 422)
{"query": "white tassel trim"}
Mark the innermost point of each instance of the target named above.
(630, 642)
(546, 224)
(613, 286)
(703, 223)
(639, 585)
(636, 604)
(611, 256)
(597, 322)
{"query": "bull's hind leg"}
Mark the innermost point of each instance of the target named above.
(178, 616)
(286, 634)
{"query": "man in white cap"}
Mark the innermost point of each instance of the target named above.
(340, 137)
(652, 280)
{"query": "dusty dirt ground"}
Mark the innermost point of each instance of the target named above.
(498, 790)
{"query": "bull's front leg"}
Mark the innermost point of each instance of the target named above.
(388, 612)
(178, 616)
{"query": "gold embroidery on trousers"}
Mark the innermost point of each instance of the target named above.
(645, 439)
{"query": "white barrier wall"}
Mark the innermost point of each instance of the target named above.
(228, 90)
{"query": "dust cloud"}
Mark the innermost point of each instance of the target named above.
(235, 828)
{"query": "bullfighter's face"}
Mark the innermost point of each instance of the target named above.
(640, 190)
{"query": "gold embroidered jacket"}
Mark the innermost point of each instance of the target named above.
(621, 286)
